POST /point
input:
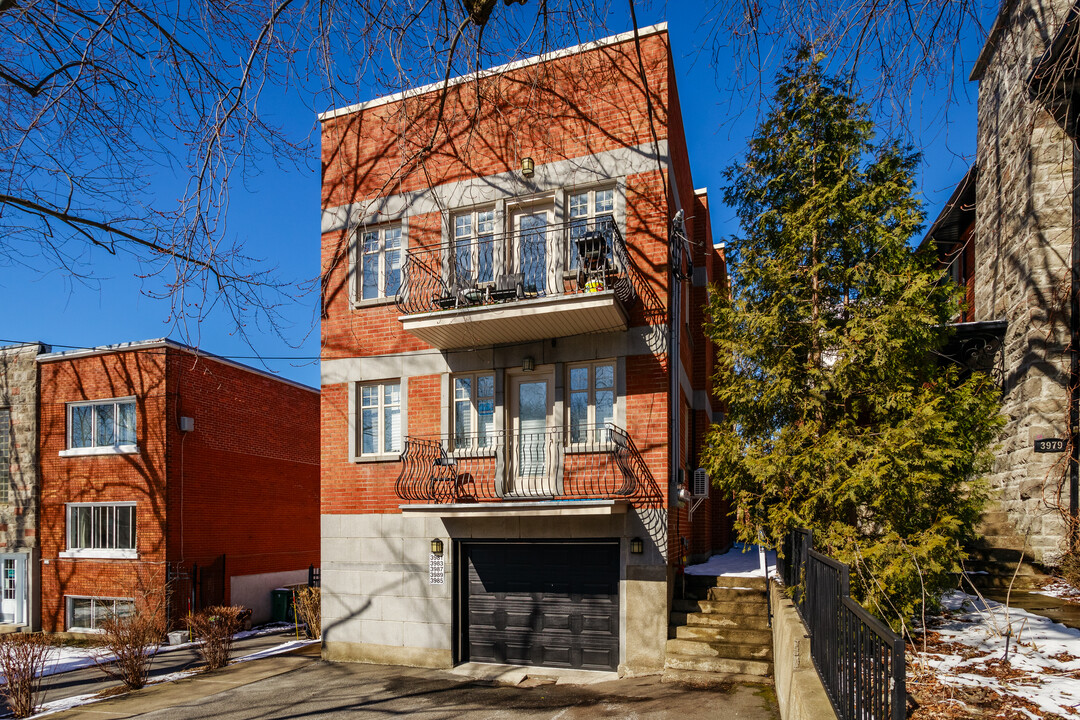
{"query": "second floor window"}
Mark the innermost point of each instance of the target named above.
(380, 262)
(592, 401)
(474, 411)
(380, 419)
(100, 526)
(104, 423)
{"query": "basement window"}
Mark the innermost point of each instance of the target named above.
(86, 614)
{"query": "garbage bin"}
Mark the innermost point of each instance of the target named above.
(281, 605)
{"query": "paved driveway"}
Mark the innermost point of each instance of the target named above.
(327, 690)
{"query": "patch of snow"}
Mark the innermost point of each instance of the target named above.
(739, 561)
(277, 650)
(1059, 589)
(1043, 661)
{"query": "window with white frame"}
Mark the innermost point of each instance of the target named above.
(474, 247)
(88, 613)
(101, 528)
(380, 418)
(101, 423)
(591, 391)
(380, 262)
(474, 410)
(589, 210)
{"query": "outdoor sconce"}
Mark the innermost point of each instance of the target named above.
(436, 547)
(527, 166)
(637, 546)
(528, 364)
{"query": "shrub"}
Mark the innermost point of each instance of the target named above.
(131, 641)
(22, 661)
(308, 607)
(215, 627)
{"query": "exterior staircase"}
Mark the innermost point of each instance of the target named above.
(720, 633)
(992, 562)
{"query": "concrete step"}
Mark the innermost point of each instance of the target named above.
(694, 679)
(736, 594)
(1001, 568)
(741, 622)
(719, 634)
(1004, 581)
(10, 628)
(708, 581)
(756, 607)
(697, 663)
(733, 651)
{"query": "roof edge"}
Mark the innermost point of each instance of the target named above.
(990, 46)
(164, 343)
(497, 70)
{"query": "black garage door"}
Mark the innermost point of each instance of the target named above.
(542, 603)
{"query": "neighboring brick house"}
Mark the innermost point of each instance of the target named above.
(503, 430)
(162, 463)
(1011, 229)
(19, 566)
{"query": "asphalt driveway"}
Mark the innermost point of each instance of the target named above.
(330, 690)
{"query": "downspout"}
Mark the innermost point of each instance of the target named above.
(1074, 345)
(676, 235)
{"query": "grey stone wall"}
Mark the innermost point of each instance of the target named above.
(1023, 250)
(19, 515)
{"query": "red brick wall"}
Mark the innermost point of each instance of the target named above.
(245, 481)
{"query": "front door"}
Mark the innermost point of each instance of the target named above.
(534, 452)
(13, 589)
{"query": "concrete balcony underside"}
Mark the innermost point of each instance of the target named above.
(542, 508)
(519, 321)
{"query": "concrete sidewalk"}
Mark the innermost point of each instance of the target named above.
(301, 684)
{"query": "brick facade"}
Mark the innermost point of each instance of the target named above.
(242, 484)
(586, 120)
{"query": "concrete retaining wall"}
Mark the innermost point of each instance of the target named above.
(799, 691)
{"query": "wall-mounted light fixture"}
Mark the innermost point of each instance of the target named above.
(637, 546)
(436, 547)
(528, 364)
(527, 167)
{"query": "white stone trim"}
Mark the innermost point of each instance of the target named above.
(102, 450)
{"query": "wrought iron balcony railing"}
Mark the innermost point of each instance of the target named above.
(551, 464)
(543, 261)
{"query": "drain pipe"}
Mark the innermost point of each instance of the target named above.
(1074, 356)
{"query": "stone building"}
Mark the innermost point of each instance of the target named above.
(514, 373)
(20, 575)
(1011, 230)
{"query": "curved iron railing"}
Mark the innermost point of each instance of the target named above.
(552, 464)
(551, 260)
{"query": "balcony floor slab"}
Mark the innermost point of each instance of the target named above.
(546, 508)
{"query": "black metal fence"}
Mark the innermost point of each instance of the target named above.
(860, 660)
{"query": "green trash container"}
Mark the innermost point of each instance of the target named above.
(281, 605)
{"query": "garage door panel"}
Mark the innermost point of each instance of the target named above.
(553, 604)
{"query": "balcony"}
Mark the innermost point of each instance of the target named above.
(596, 470)
(543, 282)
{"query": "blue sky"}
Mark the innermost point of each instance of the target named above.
(276, 213)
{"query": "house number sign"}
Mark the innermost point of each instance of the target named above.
(1050, 445)
(436, 569)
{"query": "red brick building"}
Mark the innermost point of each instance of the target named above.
(505, 429)
(161, 463)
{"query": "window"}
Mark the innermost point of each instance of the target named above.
(380, 419)
(592, 400)
(104, 529)
(474, 247)
(87, 613)
(5, 455)
(474, 411)
(589, 210)
(380, 262)
(101, 424)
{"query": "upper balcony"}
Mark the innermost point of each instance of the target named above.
(540, 281)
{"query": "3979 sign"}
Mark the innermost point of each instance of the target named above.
(1050, 445)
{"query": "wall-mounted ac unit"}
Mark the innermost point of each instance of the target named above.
(700, 486)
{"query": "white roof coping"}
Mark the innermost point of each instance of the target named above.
(497, 70)
(163, 343)
(701, 191)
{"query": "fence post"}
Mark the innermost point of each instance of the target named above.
(899, 694)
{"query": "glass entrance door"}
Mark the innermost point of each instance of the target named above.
(13, 589)
(530, 252)
(533, 451)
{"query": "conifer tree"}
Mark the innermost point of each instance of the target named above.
(841, 414)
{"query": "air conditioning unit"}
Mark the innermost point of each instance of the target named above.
(700, 487)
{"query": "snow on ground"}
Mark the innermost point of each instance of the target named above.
(1060, 589)
(739, 561)
(966, 647)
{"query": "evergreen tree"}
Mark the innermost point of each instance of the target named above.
(841, 415)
